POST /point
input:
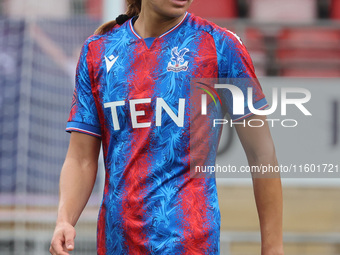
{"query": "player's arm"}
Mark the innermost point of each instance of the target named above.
(77, 178)
(259, 148)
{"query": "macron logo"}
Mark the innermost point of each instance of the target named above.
(110, 62)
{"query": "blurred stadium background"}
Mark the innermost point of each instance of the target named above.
(39, 46)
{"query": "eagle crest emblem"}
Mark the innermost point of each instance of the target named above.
(178, 62)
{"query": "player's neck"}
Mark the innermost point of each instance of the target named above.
(154, 25)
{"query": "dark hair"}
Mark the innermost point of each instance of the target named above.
(133, 9)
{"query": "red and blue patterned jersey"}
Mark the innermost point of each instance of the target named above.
(137, 100)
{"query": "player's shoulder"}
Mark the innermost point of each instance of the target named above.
(96, 39)
(218, 32)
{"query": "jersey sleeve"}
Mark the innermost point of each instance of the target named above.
(83, 117)
(236, 67)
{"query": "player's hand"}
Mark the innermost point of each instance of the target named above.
(63, 239)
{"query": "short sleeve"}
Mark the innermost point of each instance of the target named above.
(236, 67)
(83, 117)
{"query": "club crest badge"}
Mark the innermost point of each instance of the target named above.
(177, 63)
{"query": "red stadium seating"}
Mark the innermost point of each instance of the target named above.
(335, 9)
(311, 52)
(310, 72)
(255, 42)
(253, 38)
(302, 37)
(322, 55)
(214, 8)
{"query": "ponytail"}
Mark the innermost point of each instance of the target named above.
(133, 9)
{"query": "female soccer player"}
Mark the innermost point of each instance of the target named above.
(132, 95)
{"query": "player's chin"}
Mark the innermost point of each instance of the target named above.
(174, 8)
(180, 5)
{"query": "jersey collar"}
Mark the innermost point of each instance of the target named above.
(166, 33)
